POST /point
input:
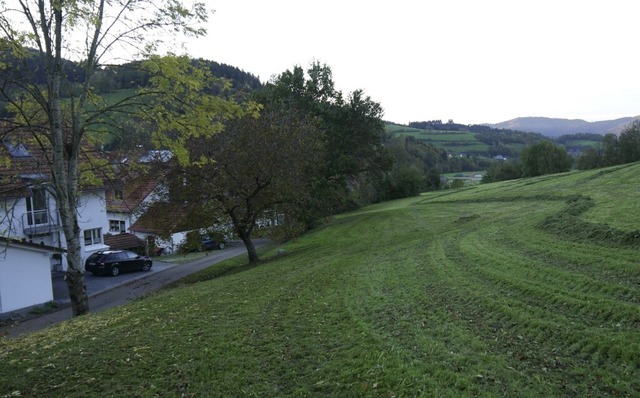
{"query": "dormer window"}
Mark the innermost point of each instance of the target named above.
(118, 195)
(16, 150)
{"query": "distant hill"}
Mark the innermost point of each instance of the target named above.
(551, 127)
(110, 80)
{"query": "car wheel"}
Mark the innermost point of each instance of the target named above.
(115, 271)
(146, 266)
(221, 245)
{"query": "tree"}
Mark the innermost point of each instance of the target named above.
(259, 169)
(610, 150)
(502, 171)
(630, 143)
(590, 158)
(351, 128)
(89, 32)
(544, 158)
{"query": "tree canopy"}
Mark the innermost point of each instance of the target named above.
(624, 148)
(544, 158)
(260, 171)
(351, 128)
(64, 106)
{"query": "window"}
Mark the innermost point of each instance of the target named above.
(93, 236)
(118, 195)
(130, 255)
(37, 207)
(116, 226)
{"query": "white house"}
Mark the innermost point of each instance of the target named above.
(30, 228)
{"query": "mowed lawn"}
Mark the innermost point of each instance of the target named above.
(526, 288)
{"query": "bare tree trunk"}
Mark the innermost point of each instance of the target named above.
(65, 176)
(74, 277)
(251, 249)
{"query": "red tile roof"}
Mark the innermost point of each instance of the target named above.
(123, 241)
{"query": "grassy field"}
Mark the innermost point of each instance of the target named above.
(523, 288)
(451, 141)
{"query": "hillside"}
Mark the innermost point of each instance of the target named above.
(109, 81)
(556, 127)
(523, 288)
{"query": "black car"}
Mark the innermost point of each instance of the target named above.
(112, 262)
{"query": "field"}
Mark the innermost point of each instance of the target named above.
(522, 288)
(451, 141)
(467, 142)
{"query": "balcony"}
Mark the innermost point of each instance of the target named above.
(40, 223)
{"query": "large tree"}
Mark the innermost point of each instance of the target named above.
(544, 158)
(630, 143)
(352, 130)
(258, 169)
(91, 33)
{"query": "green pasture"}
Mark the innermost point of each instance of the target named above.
(451, 141)
(584, 144)
(522, 288)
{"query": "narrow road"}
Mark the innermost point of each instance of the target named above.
(121, 294)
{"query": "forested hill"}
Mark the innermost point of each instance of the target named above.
(556, 127)
(130, 76)
(111, 78)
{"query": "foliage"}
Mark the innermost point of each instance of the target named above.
(259, 169)
(567, 139)
(502, 171)
(590, 158)
(181, 110)
(48, 101)
(351, 129)
(456, 184)
(615, 150)
(459, 293)
(544, 158)
(192, 243)
(414, 166)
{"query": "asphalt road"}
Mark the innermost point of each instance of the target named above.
(108, 292)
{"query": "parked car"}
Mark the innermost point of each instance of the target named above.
(112, 262)
(209, 243)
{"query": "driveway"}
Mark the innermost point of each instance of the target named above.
(108, 292)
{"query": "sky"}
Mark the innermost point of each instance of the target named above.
(467, 60)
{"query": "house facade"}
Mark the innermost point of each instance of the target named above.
(33, 217)
(32, 241)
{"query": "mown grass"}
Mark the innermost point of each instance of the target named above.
(462, 292)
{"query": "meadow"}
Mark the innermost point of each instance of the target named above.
(451, 141)
(521, 288)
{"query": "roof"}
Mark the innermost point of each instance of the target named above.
(139, 182)
(134, 192)
(25, 160)
(123, 241)
(163, 219)
(30, 245)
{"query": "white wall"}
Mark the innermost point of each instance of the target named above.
(10, 214)
(92, 213)
(25, 278)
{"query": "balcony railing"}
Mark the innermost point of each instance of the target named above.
(40, 222)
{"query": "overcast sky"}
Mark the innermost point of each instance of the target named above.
(468, 60)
